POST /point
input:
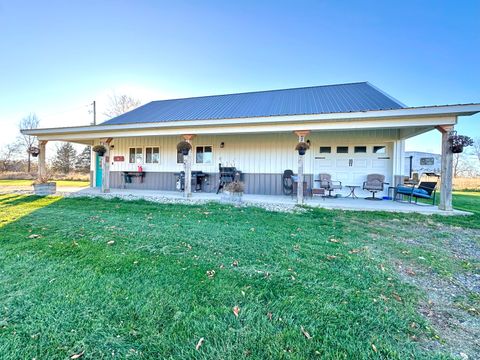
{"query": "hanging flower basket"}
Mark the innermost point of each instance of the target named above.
(34, 151)
(184, 147)
(458, 142)
(100, 150)
(302, 148)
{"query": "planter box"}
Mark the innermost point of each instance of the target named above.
(45, 189)
(231, 197)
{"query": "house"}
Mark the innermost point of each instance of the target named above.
(418, 163)
(353, 130)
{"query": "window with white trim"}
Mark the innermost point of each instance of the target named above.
(379, 149)
(204, 155)
(152, 155)
(135, 155)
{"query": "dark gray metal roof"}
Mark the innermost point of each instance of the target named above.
(300, 101)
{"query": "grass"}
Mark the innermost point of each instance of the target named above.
(60, 183)
(139, 280)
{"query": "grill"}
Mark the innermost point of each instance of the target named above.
(198, 178)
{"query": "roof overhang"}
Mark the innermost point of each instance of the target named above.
(399, 118)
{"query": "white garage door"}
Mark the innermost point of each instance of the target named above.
(351, 164)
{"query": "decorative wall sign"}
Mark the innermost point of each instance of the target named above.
(119, 158)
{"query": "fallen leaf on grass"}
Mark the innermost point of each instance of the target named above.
(334, 240)
(77, 356)
(331, 257)
(211, 273)
(269, 315)
(34, 236)
(410, 271)
(355, 251)
(305, 333)
(236, 310)
(374, 347)
(111, 242)
(397, 297)
(200, 343)
(235, 263)
(382, 267)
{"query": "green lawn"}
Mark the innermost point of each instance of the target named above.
(60, 183)
(117, 279)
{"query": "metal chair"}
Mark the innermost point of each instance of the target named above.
(374, 184)
(328, 184)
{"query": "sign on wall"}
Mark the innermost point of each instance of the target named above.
(119, 158)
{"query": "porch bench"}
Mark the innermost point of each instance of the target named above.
(424, 190)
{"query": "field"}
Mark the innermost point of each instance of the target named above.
(118, 279)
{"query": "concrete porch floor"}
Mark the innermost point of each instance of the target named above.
(280, 201)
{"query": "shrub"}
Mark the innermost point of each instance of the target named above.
(235, 187)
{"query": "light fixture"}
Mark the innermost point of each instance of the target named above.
(308, 142)
(222, 145)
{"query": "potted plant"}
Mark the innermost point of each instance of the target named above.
(100, 150)
(34, 151)
(184, 147)
(302, 148)
(233, 192)
(43, 186)
(458, 142)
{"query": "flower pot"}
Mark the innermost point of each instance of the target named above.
(302, 151)
(185, 152)
(456, 149)
(45, 189)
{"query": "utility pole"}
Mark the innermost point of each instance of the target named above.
(94, 113)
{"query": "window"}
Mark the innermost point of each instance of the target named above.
(179, 157)
(360, 149)
(427, 161)
(152, 155)
(342, 149)
(203, 155)
(136, 155)
(380, 149)
(325, 149)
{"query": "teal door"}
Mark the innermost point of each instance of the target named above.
(98, 171)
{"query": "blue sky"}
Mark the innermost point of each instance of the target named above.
(58, 56)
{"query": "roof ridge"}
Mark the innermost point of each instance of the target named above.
(263, 91)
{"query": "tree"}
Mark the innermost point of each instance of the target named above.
(462, 166)
(64, 160)
(9, 156)
(82, 163)
(476, 148)
(29, 122)
(120, 104)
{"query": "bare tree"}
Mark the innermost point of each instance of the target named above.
(29, 122)
(476, 148)
(462, 166)
(120, 104)
(8, 156)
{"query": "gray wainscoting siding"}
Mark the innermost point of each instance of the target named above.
(264, 184)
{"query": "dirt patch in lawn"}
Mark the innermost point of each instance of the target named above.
(452, 304)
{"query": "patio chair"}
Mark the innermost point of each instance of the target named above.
(329, 185)
(374, 184)
(424, 190)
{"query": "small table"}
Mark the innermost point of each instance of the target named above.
(352, 191)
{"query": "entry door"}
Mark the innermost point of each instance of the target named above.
(98, 171)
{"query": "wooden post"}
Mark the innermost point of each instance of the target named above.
(42, 169)
(446, 174)
(106, 166)
(301, 138)
(187, 161)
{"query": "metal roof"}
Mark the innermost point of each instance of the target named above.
(340, 98)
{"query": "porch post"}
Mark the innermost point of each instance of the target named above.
(301, 137)
(42, 170)
(106, 166)
(446, 170)
(188, 168)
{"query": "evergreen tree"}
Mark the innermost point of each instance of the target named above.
(82, 164)
(65, 158)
